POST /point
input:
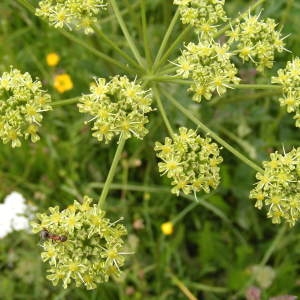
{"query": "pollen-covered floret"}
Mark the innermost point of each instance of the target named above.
(73, 14)
(21, 102)
(289, 79)
(208, 65)
(204, 16)
(190, 161)
(118, 107)
(256, 40)
(91, 251)
(278, 187)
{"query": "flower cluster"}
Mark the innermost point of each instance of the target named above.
(209, 66)
(289, 79)
(256, 40)
(21, 102)
(278, 187)
(191, 161)
(79, 15)
(204, 16)
(81, 245)
(118, 107)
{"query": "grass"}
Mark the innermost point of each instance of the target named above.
(216, 241)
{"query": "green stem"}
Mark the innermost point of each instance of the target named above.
(179, 39)
(236, 20)
(161, 189)
(166, 38)
(204, 128)
(184, 212)
(182, 287)
(111, 172)
(207, 288)
(122, 12)
(256, 86)
(242, 86)
(65, 102)
(116, 48)
(274, 245)
(168, 69)
(134, 18)
(27, 5)
(145, 33)
(95, 51)
(241, 97)
(218, 212)
(131, 187)
(126, 33)
(286, 12)
(162, 111)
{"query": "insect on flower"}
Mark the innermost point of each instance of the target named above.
(45, 234)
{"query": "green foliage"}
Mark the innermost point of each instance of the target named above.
(216, 241)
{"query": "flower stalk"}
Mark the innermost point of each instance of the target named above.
(218, 139)
(111, 173)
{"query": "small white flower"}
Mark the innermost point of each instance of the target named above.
(15, 214)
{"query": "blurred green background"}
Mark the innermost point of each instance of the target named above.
(217, 241)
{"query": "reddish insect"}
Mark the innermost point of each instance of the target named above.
(45, 234)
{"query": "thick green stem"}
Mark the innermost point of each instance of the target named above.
(122, 12)
(178, 79)
(218, 139)
(145, 33)
(168, 69)
(170, 50)
(166, 38)
(111, 173)
(65, 102)
(126, 33)
(103, 36)
(162, 111)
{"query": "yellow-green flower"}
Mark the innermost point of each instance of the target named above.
(256, 40)
(22, 102)
(119, 107)
(92, 250)
(289, 79)
(208, 65)
(204, 16)
(278, 187)
(72, 14)
(190, 161)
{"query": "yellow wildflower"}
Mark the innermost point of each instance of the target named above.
(167, 228)
(52, 59)
(63, 83)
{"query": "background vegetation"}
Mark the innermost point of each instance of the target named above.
(217, 241)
